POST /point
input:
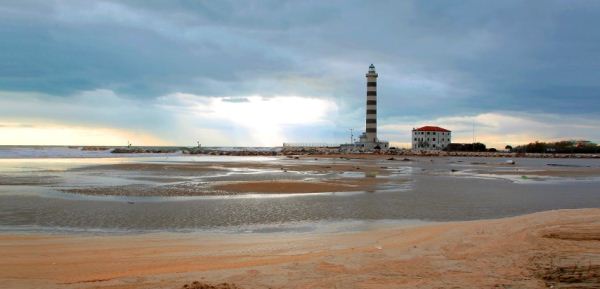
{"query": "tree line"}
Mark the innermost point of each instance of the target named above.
(560, 147)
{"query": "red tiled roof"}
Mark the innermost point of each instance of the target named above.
(432, 128)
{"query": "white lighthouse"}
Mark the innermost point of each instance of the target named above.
(368, 139)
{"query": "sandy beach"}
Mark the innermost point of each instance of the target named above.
(300, 222)
(554, 248)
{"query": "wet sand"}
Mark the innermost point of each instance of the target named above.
(284, 177)
(300, 164)
(234, 188)
(298, 187)
(301, 175)
(554, 248)
(565, 173)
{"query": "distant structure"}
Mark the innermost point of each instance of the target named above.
(368, 139)
(430, 138)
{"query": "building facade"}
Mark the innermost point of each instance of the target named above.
(430, 138)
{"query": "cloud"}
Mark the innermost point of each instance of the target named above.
(177, 118)
(475, 57)
(66, 134)
(254, 120)
(120, 64)
(262, 121)
(100, 106)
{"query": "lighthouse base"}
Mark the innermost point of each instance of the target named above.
(371, 146)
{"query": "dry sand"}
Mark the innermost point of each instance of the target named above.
(555, 248)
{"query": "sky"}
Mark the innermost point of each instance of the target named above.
(260, 73)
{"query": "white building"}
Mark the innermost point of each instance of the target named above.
(430, 138)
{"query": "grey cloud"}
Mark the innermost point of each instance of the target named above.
(465, 57)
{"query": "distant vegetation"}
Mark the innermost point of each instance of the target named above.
(568, 146)
(560, 147)
(466, 147)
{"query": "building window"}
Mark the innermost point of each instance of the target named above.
(371, 93)
(371, 102)
(415, 139)
(371, 129)
(433, 139)
(427, 132)
(371, 84)
(371, 111)
(433, 145)
(371, 120)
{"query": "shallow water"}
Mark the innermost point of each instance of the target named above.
(433, 193)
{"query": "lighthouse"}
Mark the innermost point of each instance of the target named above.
(368, 140)
(371, 119)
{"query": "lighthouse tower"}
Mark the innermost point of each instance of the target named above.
(368, 140)
(371, 122)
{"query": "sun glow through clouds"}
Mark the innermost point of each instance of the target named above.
(265, 118)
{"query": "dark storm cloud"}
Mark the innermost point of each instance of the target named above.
(434, 57)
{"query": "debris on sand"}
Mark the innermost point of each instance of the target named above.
(202, 285)
(510, 162)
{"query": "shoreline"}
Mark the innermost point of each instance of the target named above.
(528, 251)
(325, 152)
